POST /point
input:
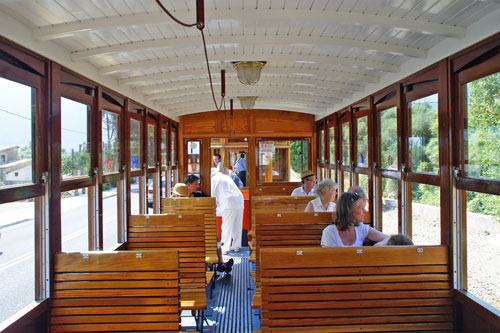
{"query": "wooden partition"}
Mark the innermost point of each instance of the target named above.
(354, 289)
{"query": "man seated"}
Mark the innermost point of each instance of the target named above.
(308, 182)
(193, 184)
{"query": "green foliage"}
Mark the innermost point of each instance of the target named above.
(75, 163)
(25, 152)
(388, 137)
(299, 156)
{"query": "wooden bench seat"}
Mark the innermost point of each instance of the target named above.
(374, 289)
(202, 205)
(288, 229)
(186, 233)
(115, 291)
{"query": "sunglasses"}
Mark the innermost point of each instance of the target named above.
(355, 196)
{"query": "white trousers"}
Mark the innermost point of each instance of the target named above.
(232, 222)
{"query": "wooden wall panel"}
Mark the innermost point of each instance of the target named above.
(199, 123)
(283, 121)
(236, 124)
(248, 123)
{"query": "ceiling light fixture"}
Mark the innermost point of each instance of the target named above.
(249, 71)
(247, 102)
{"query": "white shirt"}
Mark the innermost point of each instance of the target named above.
(299, 192)
(227, 194)
(331, 237)
(318, 206)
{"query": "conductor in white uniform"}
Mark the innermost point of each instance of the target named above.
(230, 205)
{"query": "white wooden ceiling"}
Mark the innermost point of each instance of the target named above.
(320, 53)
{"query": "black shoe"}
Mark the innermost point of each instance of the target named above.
(228, 269)
(230, 263)
(221, 268)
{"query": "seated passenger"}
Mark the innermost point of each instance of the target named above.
(326, 191)
(180, 190)
(193, 184)
(308, 182)
(347, 228)
(359, 190)
(399, 239)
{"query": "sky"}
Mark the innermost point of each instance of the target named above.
(15, 117)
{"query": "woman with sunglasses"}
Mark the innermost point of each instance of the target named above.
(347, 228)
(326, 192)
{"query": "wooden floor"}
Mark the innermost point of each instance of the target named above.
(229, 309)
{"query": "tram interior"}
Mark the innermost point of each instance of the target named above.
(105, 105)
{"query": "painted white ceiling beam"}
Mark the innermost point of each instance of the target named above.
(269, 84)
(207, 104)
(268, 106)
(281, 58)
(305, 98)
(302, 73)
(248, 40)
(247, 16)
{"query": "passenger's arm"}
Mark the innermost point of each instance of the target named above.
(309, 207)
(378, 236)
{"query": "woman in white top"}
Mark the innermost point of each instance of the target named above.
(347, 228)
(326, 191)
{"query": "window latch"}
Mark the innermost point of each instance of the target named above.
(44, 178)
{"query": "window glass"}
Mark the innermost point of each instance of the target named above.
(347, 180)
(110, 142)
(110, 215)
(425, 214)
(151, 145)
(134, 196)
(173, 151)
(346, 144)
(17, 109)
(389, 138)
(332, 174)
(389, 206)
(150, 190)
(164, 147)
(482, 128)
(283, 161)
(75, 220)
(332, 145)
(363, 182)
(193, 157)
(322, 146)
(75, 138)
(483, 246)
(135, 144)
(17, 261)
(423, 137)
(362, 142)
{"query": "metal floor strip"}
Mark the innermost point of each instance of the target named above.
(232, 310)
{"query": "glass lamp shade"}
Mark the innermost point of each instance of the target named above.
(249, 71)
(247, 102)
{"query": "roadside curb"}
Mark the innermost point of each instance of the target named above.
(13, 223)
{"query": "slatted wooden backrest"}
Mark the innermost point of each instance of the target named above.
(185, 232)
(276, 204)
(115, 291)
(288, 230)
(367, 289)
(201, 205)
